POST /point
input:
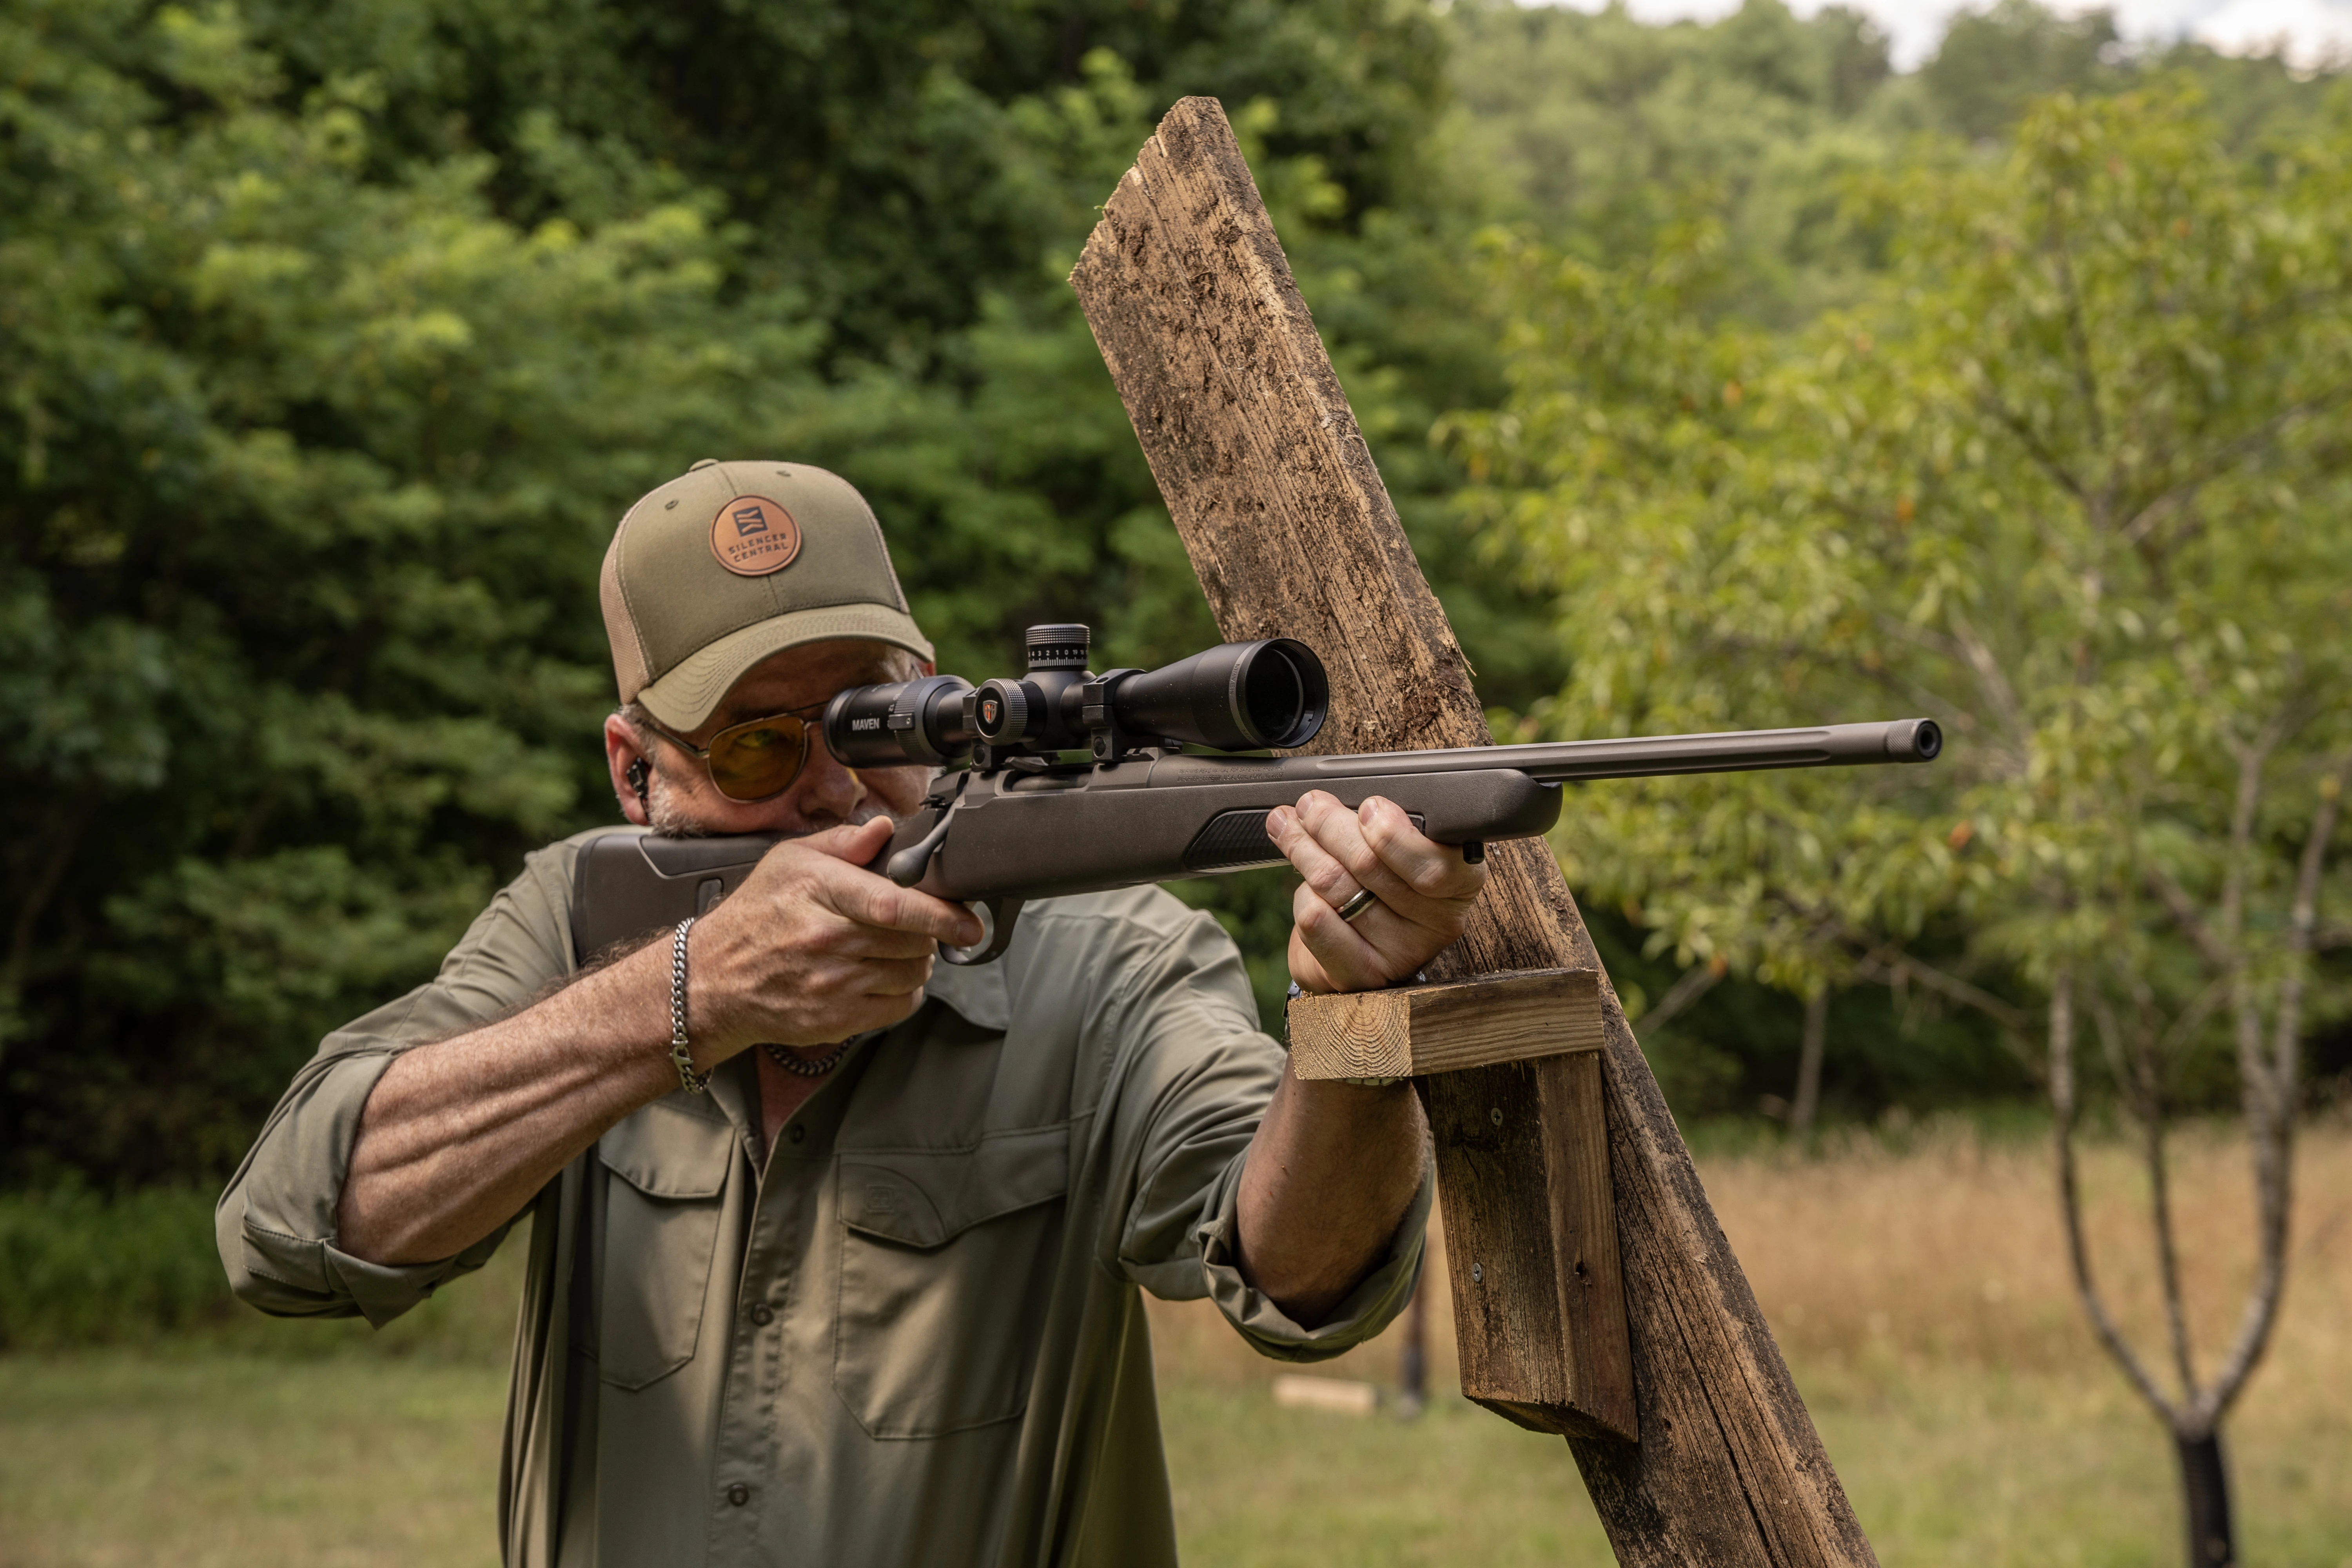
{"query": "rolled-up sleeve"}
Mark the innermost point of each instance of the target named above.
(1370, 1306)
(276, 1225)
(1197, 1075)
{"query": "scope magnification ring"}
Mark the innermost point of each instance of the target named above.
(999, 712)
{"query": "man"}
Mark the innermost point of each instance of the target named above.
(852, 1277)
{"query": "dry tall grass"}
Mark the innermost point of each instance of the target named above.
(1919, 1288)
(1945, 1246)
(1952, 1249)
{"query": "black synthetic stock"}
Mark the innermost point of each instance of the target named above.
(629, 883)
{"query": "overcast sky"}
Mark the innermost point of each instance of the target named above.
(2314, 30)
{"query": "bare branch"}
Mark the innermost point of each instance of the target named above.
(2167, 1251)
(2303, 922)
(2245, 811)
(2078, 333)
(2192, 1018)
(2070, 1201)
(1808, 1101)
(1990, 674)
(2044, 458)
(1902, 969)
(1689, 988)
(2189, 918)
(2270, 1113)
(2144, 523)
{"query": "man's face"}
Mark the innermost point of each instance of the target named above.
(826, 794)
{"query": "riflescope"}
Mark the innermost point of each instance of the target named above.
(1235, 696)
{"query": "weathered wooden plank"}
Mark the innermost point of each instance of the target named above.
(1292, 533)
(1414, 1031)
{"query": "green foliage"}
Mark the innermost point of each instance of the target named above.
(2075, 485)
(1993, 63)
(333, 339)
(82, 1270)
(333, 342)
(139, 1267)
(1599, 133)
(308, 470)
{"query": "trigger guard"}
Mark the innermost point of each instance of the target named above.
(1001, 913)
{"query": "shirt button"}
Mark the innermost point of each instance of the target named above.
(763, 1314)
(738, 1494)
(796, 1133)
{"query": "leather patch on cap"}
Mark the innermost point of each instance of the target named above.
(753, 536)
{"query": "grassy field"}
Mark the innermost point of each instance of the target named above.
(1918, 1289)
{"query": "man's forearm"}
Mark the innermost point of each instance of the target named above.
(1329, 1178)
(459, 1135)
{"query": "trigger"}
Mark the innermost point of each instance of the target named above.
(1002, 915)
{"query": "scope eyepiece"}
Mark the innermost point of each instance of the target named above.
(899, 722)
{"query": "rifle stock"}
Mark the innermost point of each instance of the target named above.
(1035, 830)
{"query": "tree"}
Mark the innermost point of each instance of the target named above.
(2077, 486)
(302, 462)
(334, 338)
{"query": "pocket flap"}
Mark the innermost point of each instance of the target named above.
(667, 1151)
(921, 1197)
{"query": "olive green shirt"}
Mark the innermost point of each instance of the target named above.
(917, 1336)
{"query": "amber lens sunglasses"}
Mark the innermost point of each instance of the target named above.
(758, 759)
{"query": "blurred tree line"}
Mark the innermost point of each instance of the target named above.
(334, 338)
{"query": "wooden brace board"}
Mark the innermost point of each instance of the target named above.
(1274, 493)
(1412, 1031)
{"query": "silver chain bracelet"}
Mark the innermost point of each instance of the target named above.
(688, 1079)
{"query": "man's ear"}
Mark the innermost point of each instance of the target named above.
(630, 768)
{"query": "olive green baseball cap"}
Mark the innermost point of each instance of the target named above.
(732, 562)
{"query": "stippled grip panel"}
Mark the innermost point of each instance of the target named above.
(1234, 840)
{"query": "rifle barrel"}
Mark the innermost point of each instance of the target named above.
(1649, 757)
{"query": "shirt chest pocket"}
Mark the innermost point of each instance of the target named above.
(662, 1210)
(947, 1260)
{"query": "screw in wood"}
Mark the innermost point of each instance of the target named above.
(1496, 1114)
(1478, 1273)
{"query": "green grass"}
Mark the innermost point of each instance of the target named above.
(1969, 1425)
(215, 1456)
(218, 1457)
(1256, 1484)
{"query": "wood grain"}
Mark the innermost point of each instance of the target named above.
(1292, 533)
(1414, 1031)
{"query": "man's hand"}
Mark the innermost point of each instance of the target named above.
(458, 1135)
(1334, 1166)
(1424, 889)
(813, 948)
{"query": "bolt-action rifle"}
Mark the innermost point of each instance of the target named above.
(1015, 813)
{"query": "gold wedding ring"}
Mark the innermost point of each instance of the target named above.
(1364, 899)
